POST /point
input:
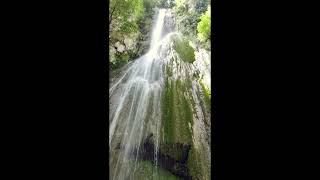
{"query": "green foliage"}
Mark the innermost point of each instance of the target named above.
(127, 27)
(124, 14)
(128, 18)
(204, 26)
(187, 19)
(207, 95)
(189, 23)
(121, 59)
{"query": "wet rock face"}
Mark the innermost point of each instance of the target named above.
(178, 167)
(169, 24)
(159, 116)
(203, 64)
(191, 123)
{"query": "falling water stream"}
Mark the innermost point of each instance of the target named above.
(138, 109)
(136, 105)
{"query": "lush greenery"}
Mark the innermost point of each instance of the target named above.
(204, 26)
(132, 19)
(124, 15)
(207, 94)
(128, 19)
(193, 21)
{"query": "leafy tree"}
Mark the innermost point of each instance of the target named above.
(204, 26)
(123, 14)
(129, 19)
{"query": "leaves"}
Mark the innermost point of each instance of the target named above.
(127, 18)
(125, 13)
(204, 26)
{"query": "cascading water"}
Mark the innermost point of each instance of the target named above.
(136, 125)
(137, 111)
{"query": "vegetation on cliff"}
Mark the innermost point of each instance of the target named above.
(129, 26)
(130, 23)
(184, 94)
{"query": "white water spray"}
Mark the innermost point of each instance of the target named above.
(135, 111)
(157, 31)
(136, 105)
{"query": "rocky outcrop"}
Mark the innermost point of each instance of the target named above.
(128, 47)
(120, 47)
(129, 43)
(202, 63)
(177, 166)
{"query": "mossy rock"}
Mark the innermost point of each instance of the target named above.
(148, 171)
(184, 50)
(177, 113)
(207, 95)
(120, 60)
(193, 164)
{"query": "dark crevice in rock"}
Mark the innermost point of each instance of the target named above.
(176, 166)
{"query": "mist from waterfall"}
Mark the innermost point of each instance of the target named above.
(135, 107)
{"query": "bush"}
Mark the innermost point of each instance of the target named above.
(121, 59)
(204, 26)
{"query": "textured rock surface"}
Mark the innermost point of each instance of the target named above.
(129, 43)
(120, 47)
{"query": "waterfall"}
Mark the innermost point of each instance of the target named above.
(135, 107)
(156, 33)
(136, 124)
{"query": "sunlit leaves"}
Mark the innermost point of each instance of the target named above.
(204, 26)
(124, 14)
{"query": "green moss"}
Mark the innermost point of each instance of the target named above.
(194, 164)
(177, 113)
(120, 60)
(207, 95)
(185, 51)
(177, 116)
(168, 114)
(146, 170)
(186, 109)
